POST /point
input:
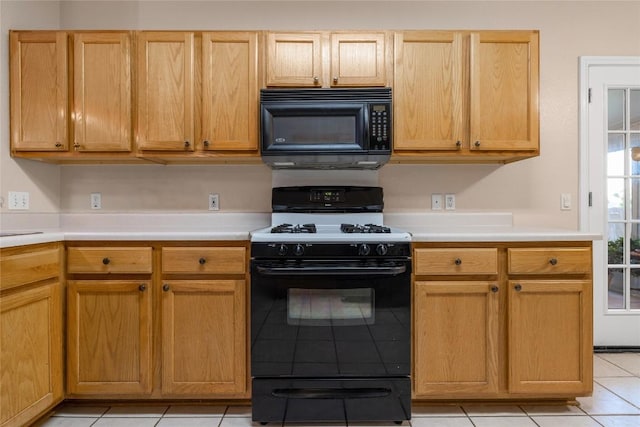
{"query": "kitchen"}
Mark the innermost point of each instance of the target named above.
(528, 190)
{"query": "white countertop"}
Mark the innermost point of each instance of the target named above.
(459, 227)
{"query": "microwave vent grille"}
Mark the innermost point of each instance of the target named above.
(302, 95)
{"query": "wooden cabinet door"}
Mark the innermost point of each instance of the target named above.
(428, 92)
(109, 337)
(504, 90)
(294, 59)
(38, 65)
(102, 91)
(550, 337)
(230, 91)
(455, 338)
(204, 337)
(31, 353)
(358, 59)
(165, 91)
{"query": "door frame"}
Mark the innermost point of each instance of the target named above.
(585, 64)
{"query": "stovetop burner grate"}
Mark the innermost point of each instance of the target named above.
(289, 228)
(366, 228)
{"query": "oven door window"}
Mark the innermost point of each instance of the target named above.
(331, 307)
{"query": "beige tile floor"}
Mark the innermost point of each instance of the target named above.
(615, 403)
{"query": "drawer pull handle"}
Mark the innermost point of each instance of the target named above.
(166, 287)
(458, 261)
(106, 261)
(142, 287)
(553, 261)
(518, 287)
(316, 80)
(494, 289)
(458, 144)
(477, 144)
(202, 261)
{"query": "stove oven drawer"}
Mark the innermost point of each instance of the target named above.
(203, 260)
(442, 261)
(549, 260)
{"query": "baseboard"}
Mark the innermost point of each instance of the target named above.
(615, 349)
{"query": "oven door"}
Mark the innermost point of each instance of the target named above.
(330, 319)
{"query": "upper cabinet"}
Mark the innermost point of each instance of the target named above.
(39, 110)
(165, 91)
(193, 96)
(197, 92)
(102, 92)
(96, 90)
(328, 59)
(466, 96)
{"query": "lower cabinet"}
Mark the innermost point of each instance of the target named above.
(517, 325)
(203, 337)
(30, 333)
(157, 320)
(550, 344)
(109, 337)
(456, 337)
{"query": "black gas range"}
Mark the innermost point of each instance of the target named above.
(330, 309)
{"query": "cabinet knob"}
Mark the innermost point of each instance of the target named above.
(166, 287)
(205, 143)
(142, 287)
(518, 287)
(58, 144)
(187, 144)
(477, 143)
(458, 144)
(335, 80)
(202, 261)
(106, 261)
(315, 79)
(553, 261)
(494, 288)
(76, 145)
(458, 261)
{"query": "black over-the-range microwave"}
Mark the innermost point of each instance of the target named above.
(325, 128)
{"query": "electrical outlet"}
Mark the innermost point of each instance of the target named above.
(96, 200)
(436, 202)
(214, 202)
(449, 202)
(19, 200)
(565, 202)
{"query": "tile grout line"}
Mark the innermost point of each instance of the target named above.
(616, 394)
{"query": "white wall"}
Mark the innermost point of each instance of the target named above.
(530, 189)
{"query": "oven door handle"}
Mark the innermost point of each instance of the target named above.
(333, 270)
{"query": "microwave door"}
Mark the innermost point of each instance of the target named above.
(313, 129)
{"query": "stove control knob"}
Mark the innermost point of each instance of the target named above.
(364, 249)
(382, 249)
(282, 250)
(298, 250)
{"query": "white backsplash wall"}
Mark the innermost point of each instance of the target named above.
(175, 188)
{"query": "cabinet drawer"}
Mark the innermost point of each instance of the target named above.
(456, 261)
(29, 267)
(549, 260)
(109, 260)
(203, 260)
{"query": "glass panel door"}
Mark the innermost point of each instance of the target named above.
(623, 198)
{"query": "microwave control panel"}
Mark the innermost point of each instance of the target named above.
(379, 126)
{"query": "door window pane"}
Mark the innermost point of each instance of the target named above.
(634, 109)
(616, 106)
(615, 192)
(616, 244)
(616, 288)
(635, 153)
(615, 154)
